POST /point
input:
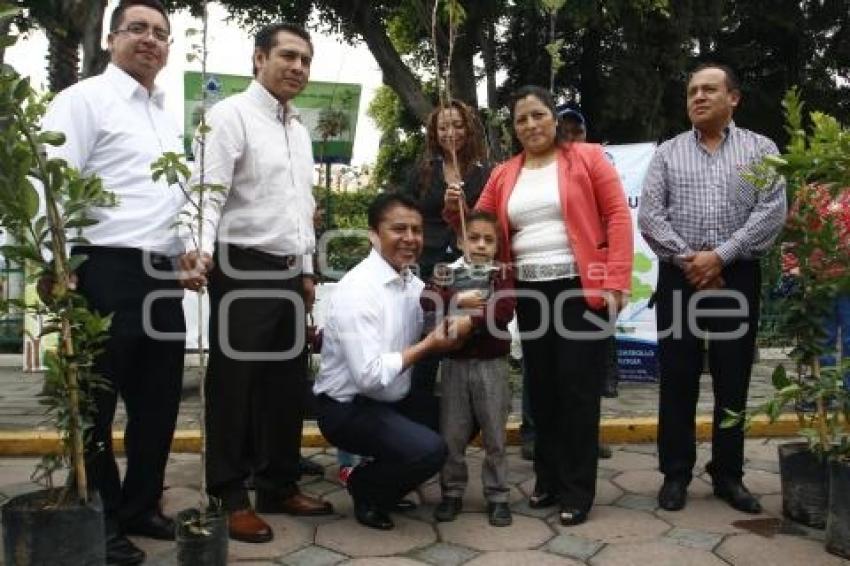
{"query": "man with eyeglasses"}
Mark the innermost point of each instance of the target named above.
(115, 127)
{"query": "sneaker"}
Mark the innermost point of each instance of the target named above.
(499, 514)
(448, 509)
(344, 472)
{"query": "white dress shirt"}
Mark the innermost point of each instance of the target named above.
(372, 316)
(115, 129)
(262, 155)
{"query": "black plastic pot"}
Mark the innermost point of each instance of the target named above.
(36, 531)
(805, 484)
(201, 541)
(838, 518)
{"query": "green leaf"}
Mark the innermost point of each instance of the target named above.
(780, 378)
(31, 200)
(80, 222)
(51, 138)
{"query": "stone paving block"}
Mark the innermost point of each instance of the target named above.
(648, 482)
(20, 473)
(772, 504)
(523, 558)
(290, 534)
(157, 551)
(341, 500)
(763, 465)
(604, 473)
(347, 536)
(391, 561)
(629, 461)
(637, 502)
(656, 553)
(322, 458)
(615, 525)
(176, 499)
(694, 539)
(606, 492)
(710, 515)
(522, 508)
(573, 546)
(444, 554)
(647, 448)
(762, 483)
(781, 550)
(762, 449)
(320, 487)
(183, 474)
(473, 531)
(313, 556)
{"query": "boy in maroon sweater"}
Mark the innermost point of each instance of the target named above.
(474, 379)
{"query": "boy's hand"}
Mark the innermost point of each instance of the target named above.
(471, 299)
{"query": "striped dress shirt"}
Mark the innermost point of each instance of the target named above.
(695, 200)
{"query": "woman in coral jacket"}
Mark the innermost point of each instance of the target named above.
(566, 228)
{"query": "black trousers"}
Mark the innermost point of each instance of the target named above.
(681, 361)
(147, 372)
(255, 406)
(565, 374)
(401, 438)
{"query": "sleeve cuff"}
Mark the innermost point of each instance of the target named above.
(391, 364)
(307, 265)
(727, 251)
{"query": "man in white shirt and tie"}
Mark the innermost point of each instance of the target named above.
(371, 339)
(259, 235)
(115, 126)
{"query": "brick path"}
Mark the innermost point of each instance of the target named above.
(19, 408)
(625, 527)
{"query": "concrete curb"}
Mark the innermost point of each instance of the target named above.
(612, 431)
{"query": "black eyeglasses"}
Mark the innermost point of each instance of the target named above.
(140, 29)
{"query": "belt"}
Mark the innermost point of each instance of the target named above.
(284, 261)
(157, 260)
(546, 271)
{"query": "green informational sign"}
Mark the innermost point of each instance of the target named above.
(333, 104)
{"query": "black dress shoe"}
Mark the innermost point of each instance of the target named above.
(735, 494)
(673, 494)
(499, 514)
(570, 516)
(372, 517)
(541, 500)
(447, 509)
(155, 525)
(404, 505)
(119, 550)
(310, 468)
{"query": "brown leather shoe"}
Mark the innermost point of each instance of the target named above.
(297, 504)
(244, 525)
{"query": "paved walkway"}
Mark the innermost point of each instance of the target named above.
(625, 527)
(20, 410)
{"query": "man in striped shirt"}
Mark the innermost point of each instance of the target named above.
(708, 224)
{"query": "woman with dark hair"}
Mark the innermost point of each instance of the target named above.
(565, 227)
(455, 156)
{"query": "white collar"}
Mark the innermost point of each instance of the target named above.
(386, 272)
(264, 98)
(128, 87)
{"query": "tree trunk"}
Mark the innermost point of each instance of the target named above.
(589, 68)
(63, 58)
(396, 74)
(94, 57)
(4, 30)
(488, 53)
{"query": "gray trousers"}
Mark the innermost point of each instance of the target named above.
(475, 391)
